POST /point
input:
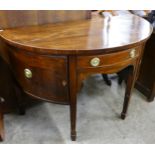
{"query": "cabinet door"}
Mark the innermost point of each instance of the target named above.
(41, 76)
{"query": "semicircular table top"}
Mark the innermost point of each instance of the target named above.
(83, 35)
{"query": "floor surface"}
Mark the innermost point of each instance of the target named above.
(98, 118)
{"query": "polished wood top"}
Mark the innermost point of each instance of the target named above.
(19, 18)
(98, 34)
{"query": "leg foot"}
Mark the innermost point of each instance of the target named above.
(106, 79)
(21, 110)
(151, 97)
(123, 116)
(120, 80)
(73, 136)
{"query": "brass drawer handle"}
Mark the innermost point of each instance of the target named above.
(132, 53)
(95, 62)
(28, 73)
(64, 83)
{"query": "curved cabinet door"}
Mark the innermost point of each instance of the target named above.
(41, 76)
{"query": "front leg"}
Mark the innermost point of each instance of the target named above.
(1, 127)
(129, 87)
(72, 95)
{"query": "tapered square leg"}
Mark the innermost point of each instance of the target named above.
(73, 116)
(73, 119)
(72, 95)
(1, 127)
(129, 87)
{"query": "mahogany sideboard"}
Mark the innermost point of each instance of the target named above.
(50, 61)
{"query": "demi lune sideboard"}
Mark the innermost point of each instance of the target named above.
(50, 61)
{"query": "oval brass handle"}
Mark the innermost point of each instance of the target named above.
(28, 73)
(132, 53)
(95, 62)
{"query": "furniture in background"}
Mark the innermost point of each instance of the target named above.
(11, 96)
(141, 13)
(51, 63)
(9, 100)
(146, 80)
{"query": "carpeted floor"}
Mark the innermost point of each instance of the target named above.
(98, 121)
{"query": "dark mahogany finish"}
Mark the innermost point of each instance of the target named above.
(8, 93)
(10, 90)
(49, 74)
(60, 56)
(18, 18)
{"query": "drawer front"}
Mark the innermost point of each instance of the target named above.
(98, 61)
(42, 76)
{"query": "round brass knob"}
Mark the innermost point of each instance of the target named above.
(28, 73)
(95, 62)
(64, 83)
(132, 53)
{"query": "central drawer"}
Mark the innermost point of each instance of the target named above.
(97, 61)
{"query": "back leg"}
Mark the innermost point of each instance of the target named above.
(106, 79)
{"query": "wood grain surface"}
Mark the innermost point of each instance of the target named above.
(18, 18)
(78, 36)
